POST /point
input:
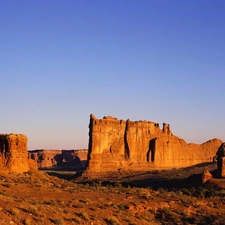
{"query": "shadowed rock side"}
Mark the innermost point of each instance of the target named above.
(60, 159)
(221, 160)
(118, 144)
(13, 152)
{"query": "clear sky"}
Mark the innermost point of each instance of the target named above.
(156, 60)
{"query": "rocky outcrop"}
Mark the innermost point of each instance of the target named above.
(206, 175)
(61, 159)
(118, 144)
(13, 152)
(221, 160)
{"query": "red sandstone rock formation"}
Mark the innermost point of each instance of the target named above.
(13, 152)
(118, 144)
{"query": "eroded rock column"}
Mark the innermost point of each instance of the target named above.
(221, 160)
(14, 154)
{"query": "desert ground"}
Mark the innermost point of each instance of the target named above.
(175, 196)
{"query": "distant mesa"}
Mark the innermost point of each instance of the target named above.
(141, 145)
(15, 157)
(60, 159)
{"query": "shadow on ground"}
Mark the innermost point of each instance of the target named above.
(170, 179)
(65, 175)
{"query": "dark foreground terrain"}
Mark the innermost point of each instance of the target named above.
(155, 197)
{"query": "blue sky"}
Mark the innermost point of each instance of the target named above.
(156, 60)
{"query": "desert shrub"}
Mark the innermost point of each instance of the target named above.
(84, 200)
(200, 192)
(71, 191)
(76, 219)
(46, 202)
(144, 193)
(206, 219)
(27, 221)
(163, 214)
(32, 210)
(3, 192)
(112, 221)
(121, 207)
(50, 202)
(21, 180)
(87, 185)
(78, 205)
(162, 191)
(140, 191)
(7, 185)
(186, 192)
(41, 218)
(65, 211)
(7, 180)
(105, 205)
(64, 185)
(203, 219)
(186, 200)
(118, 184)
(212, 192)
(58, 202)
(204, 192)
(97, 184)
(58, 221)
(148, 216)
(222, 193)
(38, 185)
(14, 211)
(34, 202)
(83, 215)
(92, 217)
(128, 190)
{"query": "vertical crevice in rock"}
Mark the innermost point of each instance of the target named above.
(90, 138)
(151, 150)
(6, 149)
(126, 146)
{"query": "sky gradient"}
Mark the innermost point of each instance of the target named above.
(156, 60)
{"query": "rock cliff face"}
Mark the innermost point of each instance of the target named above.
(13, 152)
(118, 144)
(63, 159)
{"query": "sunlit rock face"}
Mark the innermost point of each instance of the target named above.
(221, 160)
(13, 152)
(139, 145)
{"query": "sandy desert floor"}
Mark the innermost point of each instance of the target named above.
(156, 197)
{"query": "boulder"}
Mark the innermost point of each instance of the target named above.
(206, 175)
